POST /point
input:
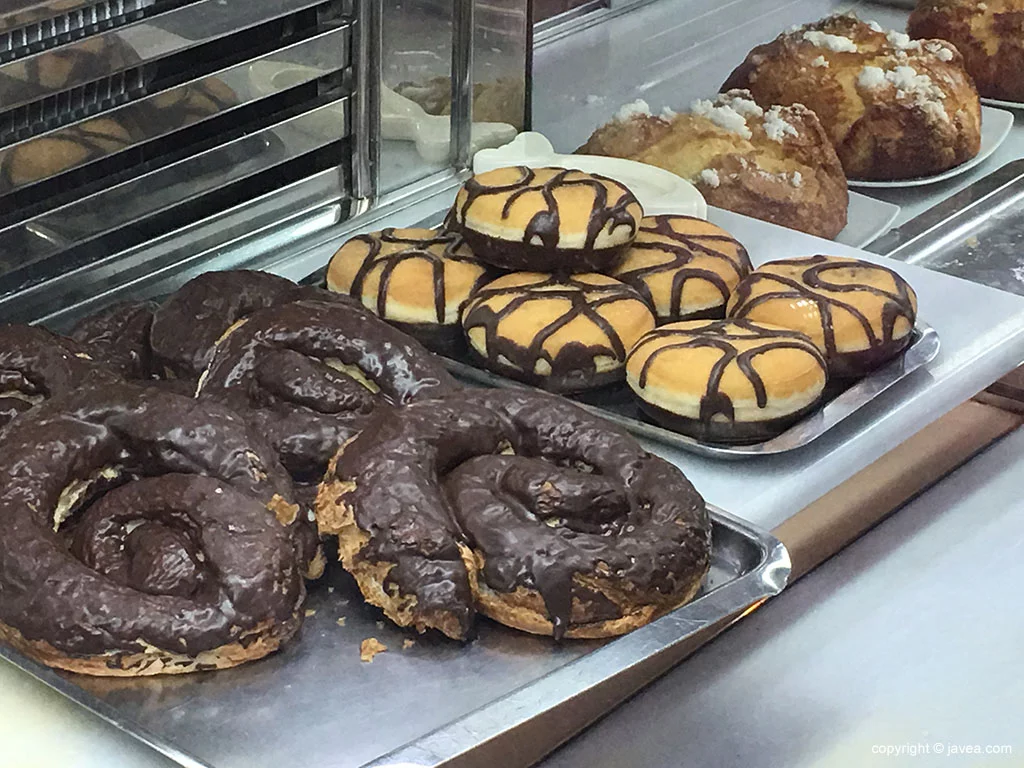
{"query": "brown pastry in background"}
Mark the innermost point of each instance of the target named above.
(774, 164)
(989, 35)
(894, 108)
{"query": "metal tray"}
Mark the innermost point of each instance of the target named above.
(977, 234)
(617, 403)
(506, 699)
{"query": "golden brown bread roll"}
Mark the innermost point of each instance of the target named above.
(75, 146)
(685, 267)
(726, 381)
(859, 314)
(989, 35)
(894, 108)
(776, 164)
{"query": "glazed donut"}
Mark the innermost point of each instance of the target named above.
(859, 314)
(308, 375)
(562, 334)
(578, 533)
(417, 279)
(36, 365)
(118, 337)
(546, 219)
(186, 326)
(144, 533)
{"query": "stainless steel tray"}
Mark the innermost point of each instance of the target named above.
(617, 403)
(505, 699)
(977, 234)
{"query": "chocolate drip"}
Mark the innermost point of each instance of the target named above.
(185, 556)
(714, 402)
(428, 478)
(683, 248)
(812, 285)
(574, 362)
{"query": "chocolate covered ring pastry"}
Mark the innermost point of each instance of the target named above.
(858, 313)
(684, 267)
(118, 337)
(726, 381)
(417, 279)
(546, 219)
(516, 504)
(564, 335)
(308, 375)
(144, 533)
(187, 325)
(36, 365)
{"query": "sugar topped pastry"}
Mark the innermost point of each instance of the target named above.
(894, 108)
(726, 381)
(989, 35)
(563, 334)
(773, 163)
(859, 314)
(417, 279)
(546, 219)
(685, 267)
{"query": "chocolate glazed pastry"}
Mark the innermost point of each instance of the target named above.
(546, 219)
(417, 279)
(565, 335)
(684, 267)
(36, 365)
(858, 313)
(118, 337)
(187, 325)
(726, 381)
(516, 504)
(144, 533)
(308, 375)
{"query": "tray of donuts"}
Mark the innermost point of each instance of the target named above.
(554, 279)
(256, 471)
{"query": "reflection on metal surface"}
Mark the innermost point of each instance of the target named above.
(469, 698)
(619, 405)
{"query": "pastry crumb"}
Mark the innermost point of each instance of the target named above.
(310, 612)
(369, 648)
(972, 242)
(283, 511)
(340, 621)
(407, 644)
(380, 625)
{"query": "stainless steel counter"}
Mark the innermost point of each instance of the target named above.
(911, 636)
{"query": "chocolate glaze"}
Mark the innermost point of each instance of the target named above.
(545, 225)
(578, 492)
(271, 370)
(36, 364)
(814, 286)
(683, 248)
(573, 368)
(184, 555)
(118, 337)
(186, 327)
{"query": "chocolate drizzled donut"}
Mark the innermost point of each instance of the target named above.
(546, 219)
(684, 267)
(726, 381)
(187, 325)
(858, 313)
(36, 365)
(417, 279)
(118, 337)
(565, 335)
(309, 374)
(580, 533)
(185, 563)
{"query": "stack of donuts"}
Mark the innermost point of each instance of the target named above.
(555, 277)
(169, 472)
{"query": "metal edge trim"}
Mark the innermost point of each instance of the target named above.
(366, 128)
(583, 18)
(461, 118)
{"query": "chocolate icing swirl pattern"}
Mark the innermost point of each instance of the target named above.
(144, 533)
(587, 322)
(578, 533)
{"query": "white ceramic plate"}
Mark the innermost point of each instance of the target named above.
(1004, 104)
(866, 220)
(995, 127)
